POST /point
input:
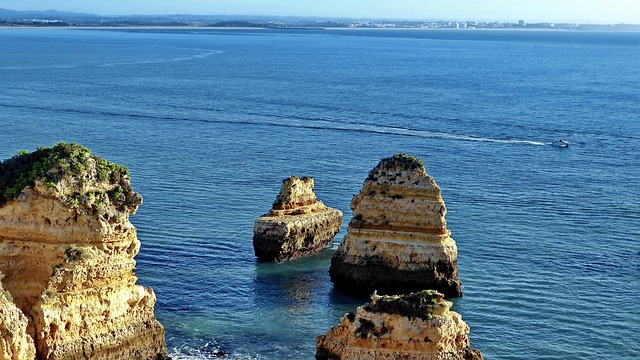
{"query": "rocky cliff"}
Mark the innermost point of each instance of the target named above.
(298, 224)
(417, 326)
(397, 239)
(15, 343)
(67, 249)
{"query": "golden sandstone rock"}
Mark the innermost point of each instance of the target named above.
(298, 224)
(412, 327)
(15, 343)
(397, 239)
(67, 249)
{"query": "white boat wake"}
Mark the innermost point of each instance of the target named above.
(399, 131)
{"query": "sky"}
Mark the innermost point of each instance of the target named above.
(582, 11)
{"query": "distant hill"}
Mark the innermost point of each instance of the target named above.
(13, 17)
(65, 18)
(45, 15)
(46, 18)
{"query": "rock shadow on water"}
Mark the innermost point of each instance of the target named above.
(295, 285)
(296, 301)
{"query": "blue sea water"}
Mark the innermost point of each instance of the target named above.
(210, 122)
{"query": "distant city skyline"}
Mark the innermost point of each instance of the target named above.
(582, 11)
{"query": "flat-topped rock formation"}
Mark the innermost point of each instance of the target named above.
(67, 249)
(397, 240)
(298, 224)
(417, 326)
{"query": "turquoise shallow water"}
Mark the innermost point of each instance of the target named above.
(210, 122)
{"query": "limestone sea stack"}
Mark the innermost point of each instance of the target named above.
(397, 240)
(67, 249)
(298, 224)
(417, 326)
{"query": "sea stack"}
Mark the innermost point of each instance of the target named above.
(67, 249)
(298, 224)
(417, 326)
(397, 240)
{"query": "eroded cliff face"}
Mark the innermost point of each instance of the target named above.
(67, 251)
(417, 326)
(397, 240)
(298, 224)
(15, 343)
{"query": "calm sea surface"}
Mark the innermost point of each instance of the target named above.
(210, 122)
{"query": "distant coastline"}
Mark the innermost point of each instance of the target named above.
(57, 19)
(223, 28)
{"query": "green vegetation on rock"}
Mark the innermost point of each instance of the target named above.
(402, 160)
(73, 253)
(395, 162)
(50, 165)
(420, 304)
(7, 295)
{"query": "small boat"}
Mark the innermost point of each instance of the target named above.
(560, 143)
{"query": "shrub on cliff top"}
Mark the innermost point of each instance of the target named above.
(418, 304)
(49, 165)
(396, 161)
(402, 160)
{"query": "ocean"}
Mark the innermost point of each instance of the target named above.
(210, 122)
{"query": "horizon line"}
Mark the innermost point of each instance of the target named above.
(535, 21)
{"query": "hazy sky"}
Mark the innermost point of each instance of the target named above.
(601, 11)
